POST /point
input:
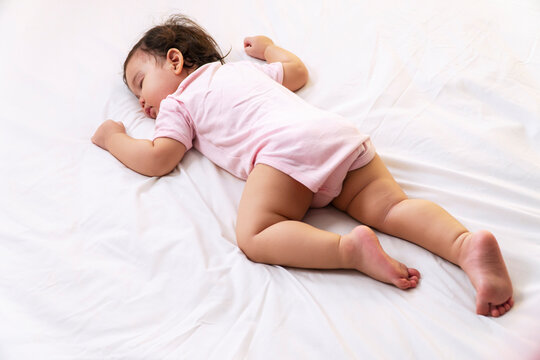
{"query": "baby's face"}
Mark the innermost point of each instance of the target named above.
(151, 81)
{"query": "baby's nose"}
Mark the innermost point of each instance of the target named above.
(142, 102)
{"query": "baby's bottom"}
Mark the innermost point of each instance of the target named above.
(270, 230)
(334, 183)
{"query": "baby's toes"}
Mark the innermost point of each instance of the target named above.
(510, 301)
(495, 311)
(401, 283)
(413, 272)
(404, 284)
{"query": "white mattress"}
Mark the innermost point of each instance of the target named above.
(98, 262)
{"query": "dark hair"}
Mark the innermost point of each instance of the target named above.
(180, 32)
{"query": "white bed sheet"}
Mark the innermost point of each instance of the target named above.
(98, 262)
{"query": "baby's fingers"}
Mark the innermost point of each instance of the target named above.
(105, 130)
(256, 45)
(248, 46)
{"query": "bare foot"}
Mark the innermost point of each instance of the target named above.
(482, 261)
(362, 251)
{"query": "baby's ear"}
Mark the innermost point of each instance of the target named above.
(176, 60)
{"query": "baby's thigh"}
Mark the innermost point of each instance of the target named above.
(270, 196)
(371, 187)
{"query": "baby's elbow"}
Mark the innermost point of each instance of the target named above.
(298, 77)
(166, 155)
(161, 167)
(159, 172)
(303, 76)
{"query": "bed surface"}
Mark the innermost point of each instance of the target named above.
(98, 262)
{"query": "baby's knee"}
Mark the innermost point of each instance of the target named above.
(247, 242)
(381, 205)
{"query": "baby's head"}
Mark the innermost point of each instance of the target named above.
(164, 56)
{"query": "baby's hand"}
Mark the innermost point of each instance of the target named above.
(105, 131)
(255, 46)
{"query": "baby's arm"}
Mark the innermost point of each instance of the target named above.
(150, 158)
(295, 74)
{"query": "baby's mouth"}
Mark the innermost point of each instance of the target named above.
(149, 111)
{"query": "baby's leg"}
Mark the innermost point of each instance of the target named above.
(269, 230)
(371, 195)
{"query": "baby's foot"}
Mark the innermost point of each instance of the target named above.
(362, 251)
(482, 260)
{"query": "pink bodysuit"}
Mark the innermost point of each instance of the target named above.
(239, 115)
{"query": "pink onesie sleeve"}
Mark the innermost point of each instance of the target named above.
(274, 70)
(173, 121)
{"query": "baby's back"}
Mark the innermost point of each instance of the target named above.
(240, 116)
